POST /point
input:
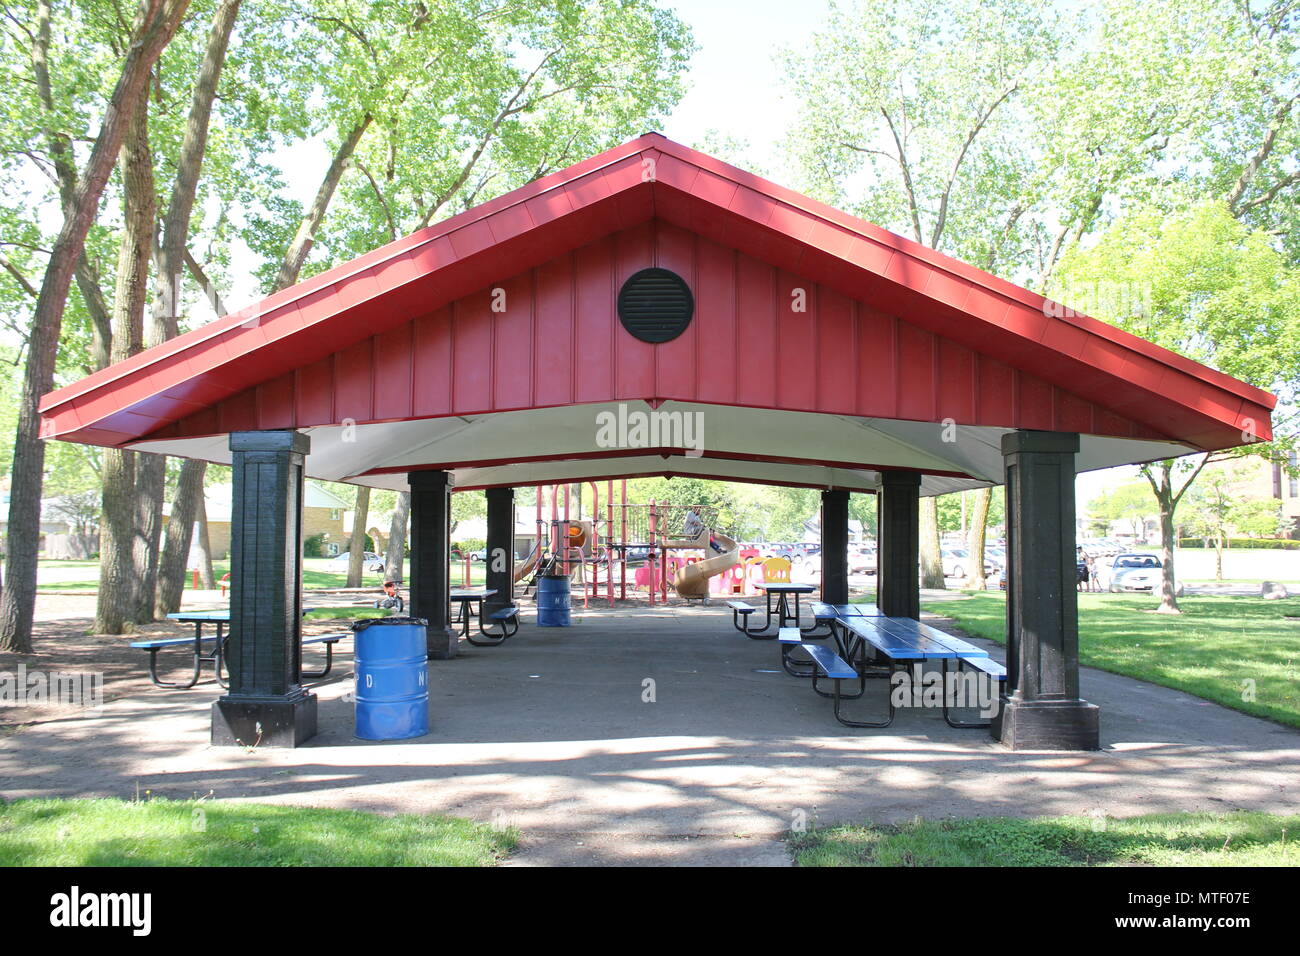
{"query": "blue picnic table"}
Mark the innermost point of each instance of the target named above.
(219, 618)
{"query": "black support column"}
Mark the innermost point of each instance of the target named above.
(835, 547)
(898, 557)
(1042, 709)
(500, 548)
(266, 704)
(430, 555)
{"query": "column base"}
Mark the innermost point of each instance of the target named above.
(443, 643)
(1047, 724)
(263, 721)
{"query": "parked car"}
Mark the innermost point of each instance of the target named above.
(370, 561)
(479, 555)
(1135, 571)
(637, 555)
(862, 561)
(956, 563)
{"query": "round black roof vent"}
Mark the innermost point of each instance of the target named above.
(655, 305)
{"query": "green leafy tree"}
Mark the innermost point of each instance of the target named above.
(1210, 288)
(152, 29)
(1129, 503)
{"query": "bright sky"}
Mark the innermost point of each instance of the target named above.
(735, 85)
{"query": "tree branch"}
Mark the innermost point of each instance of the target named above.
(941, 219)
(1280, 117)
(907, 177)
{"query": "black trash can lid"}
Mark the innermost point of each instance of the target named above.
(373, 621)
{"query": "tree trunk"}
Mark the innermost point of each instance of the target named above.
(397, 538)
(207, 580)
(931, 550)
(118, 582)
(1218, 557)
(150, 487)
(1168, 589)
(123, 554)
(357, 547)
(154, 27)
(975, 542)
(176, 546)
(1160, 475)
(189, 165)
(298, 249)
(171, 563)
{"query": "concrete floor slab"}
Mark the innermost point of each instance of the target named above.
(663, 736)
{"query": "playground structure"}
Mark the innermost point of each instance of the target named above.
(608, 547)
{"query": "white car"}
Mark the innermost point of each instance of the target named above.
(370, 561)
(956, 563)
(862, 562)
(1136, 571)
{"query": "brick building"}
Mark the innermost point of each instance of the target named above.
(323, 513)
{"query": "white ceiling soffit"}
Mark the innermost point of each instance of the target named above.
(542, 445)
(547, 472)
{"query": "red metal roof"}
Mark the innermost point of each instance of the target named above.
(404, 331)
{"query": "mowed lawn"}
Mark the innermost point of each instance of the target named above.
(1172, 839)
(316, 573)
(215, 833)
(1242, 652)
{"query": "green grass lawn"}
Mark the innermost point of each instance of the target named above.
(1214, 649)
(1253, 582)
(316, 573)
(344, 613)
(1169, 839)
(213, 833)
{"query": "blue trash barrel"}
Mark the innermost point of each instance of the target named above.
(553, 600)
(391, 660)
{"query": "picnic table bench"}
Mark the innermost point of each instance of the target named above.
(875, 646)
(329, 640)
(210, 648)
(740, 612)
(791, 638)
(507, 618)
(780, 610)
